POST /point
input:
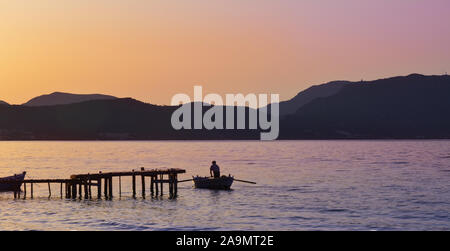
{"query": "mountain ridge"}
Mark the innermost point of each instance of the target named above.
(316, 91)
(406, 107)
(62, 98)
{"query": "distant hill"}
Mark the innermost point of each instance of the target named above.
(61, 98)
(308, 95)
(116, 119)
(410, 107)
(3, 103)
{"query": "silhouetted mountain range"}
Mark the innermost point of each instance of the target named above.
(61, 98)
(308, 95)
(410, 107)
(3, 103)
(414, 106)
(117, 119)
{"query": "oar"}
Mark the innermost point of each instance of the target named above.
(185, 180)
(245, 181)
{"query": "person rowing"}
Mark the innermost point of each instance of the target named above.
(214, 170)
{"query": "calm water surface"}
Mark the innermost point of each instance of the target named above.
(302, 185)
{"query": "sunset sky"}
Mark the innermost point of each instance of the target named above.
(153, 49)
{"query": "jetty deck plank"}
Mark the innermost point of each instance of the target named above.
(151, 172)
(86, 181)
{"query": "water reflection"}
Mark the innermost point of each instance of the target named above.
(320, 185)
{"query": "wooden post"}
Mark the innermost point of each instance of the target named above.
(90, 190)
(105, 192)
(162, 178)
(156, 186)
(99, 188)
(60, 190)
(31, 195)
(134, 185)
(170, 186)
(80, 192)
(86, 191)
(67, 190)
(176, 185)
(49, 190)
(15, 194)
(24, 190)
(110, 184)
(74, 190)
(143, 186)
(151, 185)
(120, 186)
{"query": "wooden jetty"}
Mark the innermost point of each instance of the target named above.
(80, 185)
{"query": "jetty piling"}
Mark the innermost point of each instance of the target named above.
(86, 190)
(105, 187)
(99, 188)
(134, 184)
(151, 185)
(74, 190)
(79, 186)
(143, 183)
(161, 179)
(110, 187)
(120, 187)
(90, 188)
(155, 181)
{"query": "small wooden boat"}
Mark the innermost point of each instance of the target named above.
(12, 183)
(222, 183)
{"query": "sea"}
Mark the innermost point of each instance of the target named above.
(300, 185)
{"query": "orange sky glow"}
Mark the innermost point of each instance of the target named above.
(151, 50)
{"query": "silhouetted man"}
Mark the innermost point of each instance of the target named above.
(214, 170)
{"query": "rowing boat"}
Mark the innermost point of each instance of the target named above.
(12, 183)
(222, 183)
